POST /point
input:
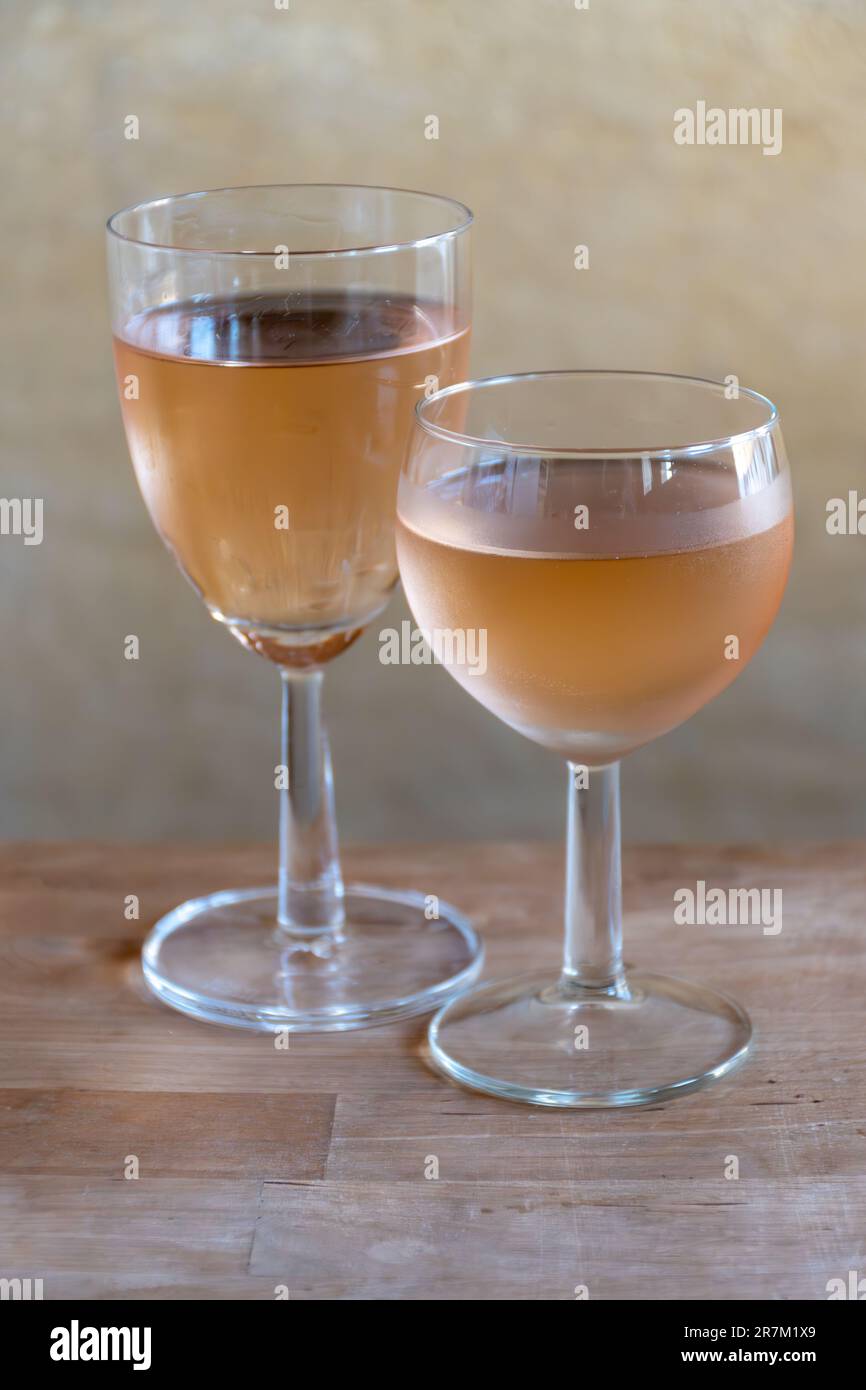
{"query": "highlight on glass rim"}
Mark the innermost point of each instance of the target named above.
(441, 423)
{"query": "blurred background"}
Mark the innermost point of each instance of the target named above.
(556, 127)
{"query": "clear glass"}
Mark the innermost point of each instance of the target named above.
(270, 345)
(593, 556)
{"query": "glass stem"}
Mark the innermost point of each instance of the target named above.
(310, 895)
(593, 883)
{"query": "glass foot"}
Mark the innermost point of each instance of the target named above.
(532, 1040)
(223, 959)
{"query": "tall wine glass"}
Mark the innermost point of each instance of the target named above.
(270, 346)
(621, 542)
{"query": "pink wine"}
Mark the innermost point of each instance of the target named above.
(267, 435)
(604, 627)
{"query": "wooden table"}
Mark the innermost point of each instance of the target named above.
(260, 1168)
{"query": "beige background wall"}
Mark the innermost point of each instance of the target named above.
(556, 127)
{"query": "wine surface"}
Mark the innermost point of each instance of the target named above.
(604, 634)
(267, 435)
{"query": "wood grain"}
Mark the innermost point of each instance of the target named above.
(306, 1168)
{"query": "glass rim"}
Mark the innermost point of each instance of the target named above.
(546, 451)
(463, 225)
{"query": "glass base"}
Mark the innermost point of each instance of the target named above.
(222, 958)
(533, 1040)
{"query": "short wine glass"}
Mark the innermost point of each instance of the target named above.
(605, 552)
(270, 345)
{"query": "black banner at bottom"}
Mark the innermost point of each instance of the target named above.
(146, 1337)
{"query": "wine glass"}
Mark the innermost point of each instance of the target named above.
(270, 345)
(611, 548)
